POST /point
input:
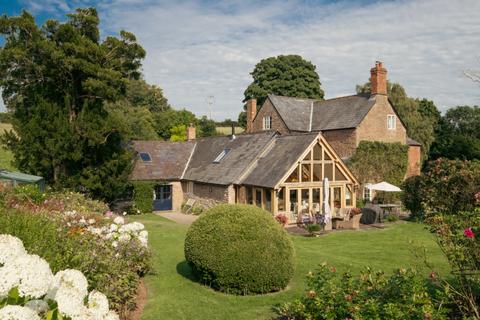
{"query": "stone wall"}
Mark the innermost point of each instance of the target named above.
(177, 196)
(374, 125)
(277, 122)
(211, 191)
(343, 141)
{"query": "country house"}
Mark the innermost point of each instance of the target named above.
(290, 146)
(280, 173)
(343, 121)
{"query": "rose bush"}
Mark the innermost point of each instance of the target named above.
(29, 290)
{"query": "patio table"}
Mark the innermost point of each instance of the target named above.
(388, 207)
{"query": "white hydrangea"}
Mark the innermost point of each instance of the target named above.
(39, 306)
(34, 274)
(10, 248)
(70, 302)
(98, 303)
(18, 313)
(119, 220)
(124, 237)
(70, 279)
(9, 279)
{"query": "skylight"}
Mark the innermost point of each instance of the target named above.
(221, 155)
(145, 157)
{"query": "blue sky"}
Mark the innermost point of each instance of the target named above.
(200, 48)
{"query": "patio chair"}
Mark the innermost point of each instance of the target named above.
(189, 205)
(353, 223)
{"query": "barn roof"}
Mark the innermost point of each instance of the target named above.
(167, 159)
(271, 168)
(318, 115)
(242, 151)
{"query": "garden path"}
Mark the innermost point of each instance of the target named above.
(180, 218)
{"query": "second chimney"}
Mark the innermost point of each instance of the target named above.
(251, 113)
(191, 132)
(378, 79)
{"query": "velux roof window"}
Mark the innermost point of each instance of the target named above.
(145, 157)
(221, 155)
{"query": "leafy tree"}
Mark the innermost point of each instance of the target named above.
(141, 94)
(289, 75)
(56, 80)
(242, 119)
(166, 120)
(206, 127)
(458, 134)
(135, 123)
(178, 133)
(419, 116)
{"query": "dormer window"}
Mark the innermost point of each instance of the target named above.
(267, 123)
(145, 157)
(221, 155)
(391, 122)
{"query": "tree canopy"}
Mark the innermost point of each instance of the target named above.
(288, 75)
(458, 134)
(420, 116)
(56, 80)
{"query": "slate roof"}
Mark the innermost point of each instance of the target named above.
(168, 160)
(412, 142)
(281, 157)
(244, 149)
(338, 113)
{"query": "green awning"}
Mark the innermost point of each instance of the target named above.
(20, 177)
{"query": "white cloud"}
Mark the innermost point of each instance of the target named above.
(198, 50)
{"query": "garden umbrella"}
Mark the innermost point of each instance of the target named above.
(326, 206)
(384, 186)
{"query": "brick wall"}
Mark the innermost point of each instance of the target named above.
(374, 125)
(414, 160)
(211, 191)
(269, 110)
(342, 141)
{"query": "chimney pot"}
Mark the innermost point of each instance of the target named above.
(251, 113)
(378, 79)
(191, 132)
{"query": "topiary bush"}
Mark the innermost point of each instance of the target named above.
(240, 249)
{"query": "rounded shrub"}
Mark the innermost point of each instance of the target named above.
(240, 249)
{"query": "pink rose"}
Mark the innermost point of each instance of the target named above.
(468, 233)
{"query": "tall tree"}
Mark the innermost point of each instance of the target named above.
(419, 116)
(458, 134)
(171, 118)
(56, 80)
(289, 75)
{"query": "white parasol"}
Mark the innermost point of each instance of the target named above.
(383, 186)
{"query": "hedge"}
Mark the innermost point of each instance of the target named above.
(143, 195)
(240, 249)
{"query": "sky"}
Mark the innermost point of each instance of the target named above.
(197, 49)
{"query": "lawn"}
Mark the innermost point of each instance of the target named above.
(173, 295)
(6, 157)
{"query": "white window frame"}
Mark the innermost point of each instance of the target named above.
(222, 155)
(267, 123)
(391, 122)
(367, 194)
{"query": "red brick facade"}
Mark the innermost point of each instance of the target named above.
(414, 160)
(343, 141)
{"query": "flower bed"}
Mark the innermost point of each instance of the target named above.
(29, 290)
(82, 235)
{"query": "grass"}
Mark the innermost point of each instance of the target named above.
(228, 130)
(173, 295)
(6, 157)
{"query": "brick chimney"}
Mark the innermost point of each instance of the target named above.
(251, 113)
(191, 132)
(378, 79)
